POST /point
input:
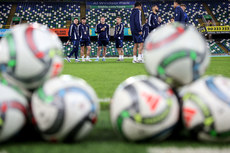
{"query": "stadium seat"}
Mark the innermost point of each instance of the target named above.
(214, 48)
(111, 50)
(226, 43)
(93, 16)
(4, 12)
(128, 48)
(221, 10)
(51, 14)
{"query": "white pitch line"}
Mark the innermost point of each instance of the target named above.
(106, 58)
(187, 150)
(132, 57)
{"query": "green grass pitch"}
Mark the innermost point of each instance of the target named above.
(104, 77)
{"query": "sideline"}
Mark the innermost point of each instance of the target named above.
(132, 57)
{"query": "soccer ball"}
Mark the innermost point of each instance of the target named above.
(176, 53)
(13, 110)
(144, 108)
(206, 108)
(65, 109)
(29, 55)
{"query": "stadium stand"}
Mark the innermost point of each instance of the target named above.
(214, 48)
(4, 12)
(166, 11)
(56, 15)
(93, 16)
(226, 43)
(128, 47)
(221, 10)
(51, 14)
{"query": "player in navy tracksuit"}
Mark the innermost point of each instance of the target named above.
(84, 39)
(179, 13)
(145, 29)
(74, 38)
(102, 29)
(136, 30)
(186, 19)
(119, 37)
(154, 20)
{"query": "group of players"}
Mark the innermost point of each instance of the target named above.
(79, 32)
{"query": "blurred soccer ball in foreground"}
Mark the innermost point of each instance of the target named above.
(144, 108)
(176, 53)
(65, 109)
(29, 55)
(13, 110)
(206, 108)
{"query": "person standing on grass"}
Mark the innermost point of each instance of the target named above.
(136, 30)
(119, 37)
(102, 29)
(74, 38)
(84, 39)
(186, 19)
(154, 20)
(145, 29)
(179, 13)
